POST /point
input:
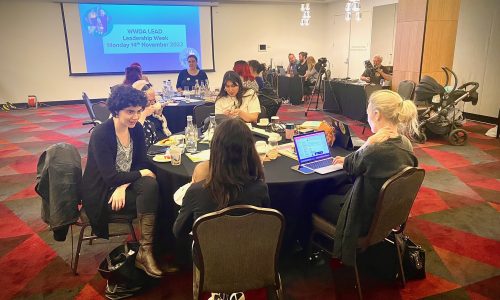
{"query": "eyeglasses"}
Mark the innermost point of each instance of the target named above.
(146, 87)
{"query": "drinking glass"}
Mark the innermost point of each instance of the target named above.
(176, 155)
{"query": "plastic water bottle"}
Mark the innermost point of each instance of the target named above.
(191, 133)
(211, 128)
(165, 91)
(197, 88)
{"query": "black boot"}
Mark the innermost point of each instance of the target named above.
(145, 259)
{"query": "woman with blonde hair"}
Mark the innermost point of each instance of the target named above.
(384, 154)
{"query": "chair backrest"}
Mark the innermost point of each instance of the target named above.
(88, 105)
(263, 113)
(238, 247)
(406, 89)
(394, 203)
(202, 111)
(101, 111)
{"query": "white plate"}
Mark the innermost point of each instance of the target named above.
(261, 124)
(161, 158)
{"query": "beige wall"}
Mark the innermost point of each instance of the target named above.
(477, 52)
(34, 56)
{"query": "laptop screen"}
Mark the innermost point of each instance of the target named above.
(311, 147)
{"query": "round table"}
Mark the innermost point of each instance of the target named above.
(292, 193)
(176, 114)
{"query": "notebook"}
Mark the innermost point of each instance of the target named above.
(343, 136)
(313, 153)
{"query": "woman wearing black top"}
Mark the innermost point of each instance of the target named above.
(118, 177)
(234, 176)
(188, 77)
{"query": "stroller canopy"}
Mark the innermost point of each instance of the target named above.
(428, 88)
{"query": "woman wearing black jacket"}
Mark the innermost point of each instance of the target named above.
(117, 176)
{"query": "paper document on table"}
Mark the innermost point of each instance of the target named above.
(195, 100)
(288, 150)
(173, 104)
(178, 98)
(200, 156)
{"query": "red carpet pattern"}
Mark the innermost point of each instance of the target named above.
(455, 218)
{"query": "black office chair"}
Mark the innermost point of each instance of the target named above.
(98, 112)
(203, 111)
(394, 203)
(406, 89)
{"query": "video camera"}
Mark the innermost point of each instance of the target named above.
(369, 67)
(321, 64)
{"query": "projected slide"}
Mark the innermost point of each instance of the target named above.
(158, 37)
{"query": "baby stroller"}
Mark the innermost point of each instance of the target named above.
(442, 117)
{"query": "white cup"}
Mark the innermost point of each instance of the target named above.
(264, 121)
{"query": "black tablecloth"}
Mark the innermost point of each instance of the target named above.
(346, 99)
(291, 88)
(176, 115)
(291, 192)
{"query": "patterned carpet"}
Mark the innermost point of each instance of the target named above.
(455, 218)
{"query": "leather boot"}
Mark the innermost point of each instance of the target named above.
(145, 259)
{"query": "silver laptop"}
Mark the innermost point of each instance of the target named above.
(313, 154)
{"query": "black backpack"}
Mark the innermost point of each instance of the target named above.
(270, 100)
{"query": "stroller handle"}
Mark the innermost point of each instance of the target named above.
(465, 85)
(446, 71)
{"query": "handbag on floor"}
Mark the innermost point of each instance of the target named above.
(413, 260)
(123, 278)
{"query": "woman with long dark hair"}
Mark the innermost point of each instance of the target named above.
(234, 100)
(256, 70)
(235, 176)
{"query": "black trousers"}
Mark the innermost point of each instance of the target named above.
(330, 206)
(142, 196)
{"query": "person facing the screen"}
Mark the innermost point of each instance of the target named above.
(243, 69)
(235, 100)
(132, 74)
(384, 154)
(233, 176)
(187, 78)
(143, 77)
(256, 69)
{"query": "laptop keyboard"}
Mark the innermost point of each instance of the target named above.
(319, 164)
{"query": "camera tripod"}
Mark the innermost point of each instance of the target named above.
(320, 83)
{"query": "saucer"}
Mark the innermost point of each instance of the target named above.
(262, 124)
(161, 158)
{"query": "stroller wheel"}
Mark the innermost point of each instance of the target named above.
(457, 137)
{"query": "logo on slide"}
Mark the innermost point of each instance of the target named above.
(183, 55)
(97, 21)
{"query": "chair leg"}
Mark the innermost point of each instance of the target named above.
(358, 282)
(400, 260)
(78, 249)
(197, 294)
(132, 231)
(279, 289)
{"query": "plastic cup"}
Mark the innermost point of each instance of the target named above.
(176, 155)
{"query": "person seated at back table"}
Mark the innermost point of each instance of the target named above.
(233, 176)
(234, 100)
(243, 69)
(377, 73)
(256, 69)
(188, 77)
(384, 154)
(132, 74)
(311, 75)
(302, 65)
(291, 70)
(118, 176)
(152, 119)
(143, 77)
